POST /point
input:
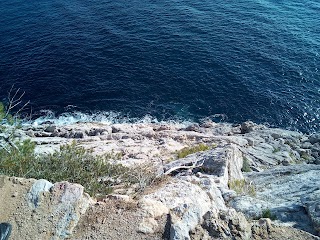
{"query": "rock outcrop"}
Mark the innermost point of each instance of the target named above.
(289, 192)
(38, 209)
(224, 192)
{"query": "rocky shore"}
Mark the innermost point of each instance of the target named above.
(252, 182)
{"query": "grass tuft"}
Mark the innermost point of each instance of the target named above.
(242, 187)
(143, 175)
(194, 149)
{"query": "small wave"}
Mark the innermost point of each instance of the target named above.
(108, 117)
(306, 123)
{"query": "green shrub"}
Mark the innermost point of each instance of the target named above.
(78, 165)
(275, 150)
(72, 163)
(194, 149)
(242, 187)
(245, 165)
(305, 156)
(267, 214)
(18, 161)
(2, 111)
(9, 123)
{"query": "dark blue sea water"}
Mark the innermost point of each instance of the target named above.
(247, 60)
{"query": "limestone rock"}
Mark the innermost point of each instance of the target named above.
(98, 131)
(193, 192)
(192, 127)
(247, 127)
(223, 162)
(312, 205)
(237, 140)
(262, 229)
(50, 128)
(153, 208)
(285, 191)
(227, 225)
(215, 195)
(41, 210)
(187, 203)
(148, 225)
(124, 128)
(119, 197)
(36, 190)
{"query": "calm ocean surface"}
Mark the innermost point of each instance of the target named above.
(174, 59)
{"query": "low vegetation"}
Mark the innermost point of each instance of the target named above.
(242, 187)
(246, 165)
(266, 213)
(193, 149)
(305, 156)
(144, 175)
(72, 163)
(275, 150)
(10, 119)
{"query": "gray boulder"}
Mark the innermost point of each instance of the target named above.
(248, 126)
(314, 138)
(38, 209)
(224, 163)
(36, 191)
(187, 203)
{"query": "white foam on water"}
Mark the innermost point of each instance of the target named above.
(69, 118)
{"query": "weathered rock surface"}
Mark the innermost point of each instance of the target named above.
(291, 193)
(311, 203)
(196, 203)
(187, 203)
(38, 209)
(190, 197)
(223, 163)
(227, 224)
